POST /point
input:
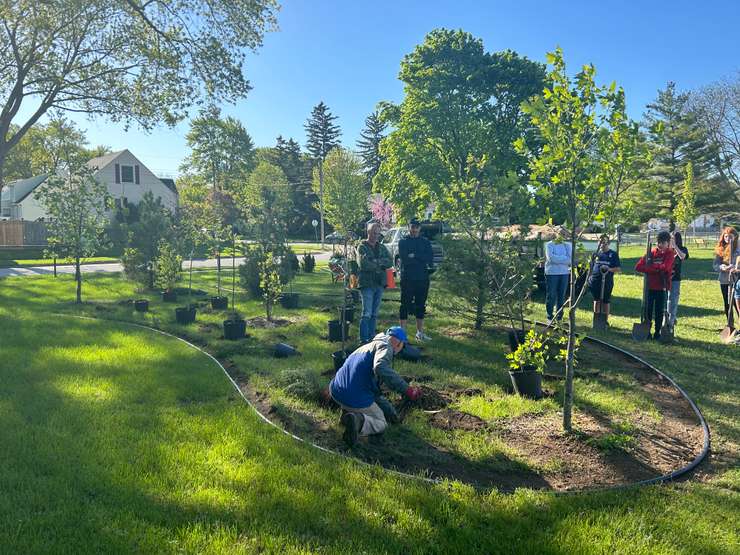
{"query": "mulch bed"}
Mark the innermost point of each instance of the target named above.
(555, 460)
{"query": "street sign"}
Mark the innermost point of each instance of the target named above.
(314, 223)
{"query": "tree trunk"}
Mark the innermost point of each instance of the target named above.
(321, 200)
(218, 272)
(569, 367)
(78, 277)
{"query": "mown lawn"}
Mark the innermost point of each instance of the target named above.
(119, 440)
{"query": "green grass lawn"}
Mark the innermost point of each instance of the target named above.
(118, 439)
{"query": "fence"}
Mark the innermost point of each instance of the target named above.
(700, 239)
(22, 234)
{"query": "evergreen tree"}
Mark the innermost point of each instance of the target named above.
(322, 136)
(369, 145)
(297, 170)
(675, 139)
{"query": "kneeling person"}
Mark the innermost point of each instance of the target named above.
(356, 387)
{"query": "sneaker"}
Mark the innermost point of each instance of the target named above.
(352, 423)
(421, 336)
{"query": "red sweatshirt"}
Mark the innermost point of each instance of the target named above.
(659, 269)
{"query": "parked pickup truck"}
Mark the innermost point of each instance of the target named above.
(430, 230)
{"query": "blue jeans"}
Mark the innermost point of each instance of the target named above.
(673, 296)
(371, 297)
(555, 297)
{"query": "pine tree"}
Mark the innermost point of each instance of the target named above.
(675, 139)
(297, 170)
(369, 146)
(322, 136)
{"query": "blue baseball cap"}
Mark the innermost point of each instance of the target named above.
(398, 332)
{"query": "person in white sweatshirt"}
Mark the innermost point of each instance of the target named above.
(557, 274)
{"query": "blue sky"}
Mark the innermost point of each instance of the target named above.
(348, 53)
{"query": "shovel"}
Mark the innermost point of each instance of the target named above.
(641, 331)
(666, 334)
(600, 316)
(727, 335)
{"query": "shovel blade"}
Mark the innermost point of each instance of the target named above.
(641, 332)
(727, 335)
(666, 335)
(599, 323)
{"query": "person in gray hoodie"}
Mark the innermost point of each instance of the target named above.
(557, 273)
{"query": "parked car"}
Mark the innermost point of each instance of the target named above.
(430, 230)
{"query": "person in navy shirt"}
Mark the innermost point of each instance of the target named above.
(605, 263)
(417, 258)
(356, 386)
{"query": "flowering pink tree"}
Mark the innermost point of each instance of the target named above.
(382, 211)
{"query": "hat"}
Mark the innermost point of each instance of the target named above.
(414, 221)
(398, 332)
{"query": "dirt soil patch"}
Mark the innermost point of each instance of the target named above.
(262, 322)
(449, 419)
(601, 452)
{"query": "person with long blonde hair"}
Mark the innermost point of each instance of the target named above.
(725, 255)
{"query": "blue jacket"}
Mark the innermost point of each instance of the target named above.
(357, 382)
(557, 258)
(416, 256)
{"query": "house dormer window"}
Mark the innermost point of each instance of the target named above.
(127, 174)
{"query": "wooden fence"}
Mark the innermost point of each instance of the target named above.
(22, 234)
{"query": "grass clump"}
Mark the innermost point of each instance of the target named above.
(302, 384)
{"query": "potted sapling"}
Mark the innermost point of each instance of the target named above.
(289, 266)
(235, 327)
(527, 363)
(219, 301)
(186, 314)
(167, 268)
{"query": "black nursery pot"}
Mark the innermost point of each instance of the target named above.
(335, 330)
(142, 305)
(338, 358)
(169, 297)
(289, 300)
(283, 350)
(219, 303)
(516, 338)
(349, 314)
(185, 315)
(527, 383)
(235, 329)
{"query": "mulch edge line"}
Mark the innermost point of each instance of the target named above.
(665, 478)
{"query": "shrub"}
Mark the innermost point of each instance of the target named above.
(308, 263)
(134, 265)
(249, 271)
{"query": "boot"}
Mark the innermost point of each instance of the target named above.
(352, 423)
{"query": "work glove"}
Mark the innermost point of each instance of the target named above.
(413, 393)
(603, 269)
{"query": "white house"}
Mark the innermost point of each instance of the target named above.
(126, 178)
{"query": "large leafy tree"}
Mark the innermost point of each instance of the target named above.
(135, 61)
(675, 139)
(322, 135)
(452, 143)
(221, 150)
(345, 190)
(265, 205)
(368, 145)
(573, 164)
(154, 225)
(76, 207)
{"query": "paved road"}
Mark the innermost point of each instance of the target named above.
(111, 267)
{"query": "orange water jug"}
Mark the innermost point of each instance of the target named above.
(390, 278)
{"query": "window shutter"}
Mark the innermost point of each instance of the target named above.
(118, 173)
(136, 174)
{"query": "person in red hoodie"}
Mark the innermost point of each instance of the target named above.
(658, 267)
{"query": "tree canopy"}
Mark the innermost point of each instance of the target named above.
(345, 191)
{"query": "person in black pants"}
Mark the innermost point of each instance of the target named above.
(416, 257)
(658, 266)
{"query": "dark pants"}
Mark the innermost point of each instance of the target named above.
(725, 287)
(656, 308)
(555, 294)
(413, 298)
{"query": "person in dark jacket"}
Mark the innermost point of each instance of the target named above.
(605, 263)
(415, 252)
(373, 259)
(356, 386)
(682, 253)
(658, 266)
